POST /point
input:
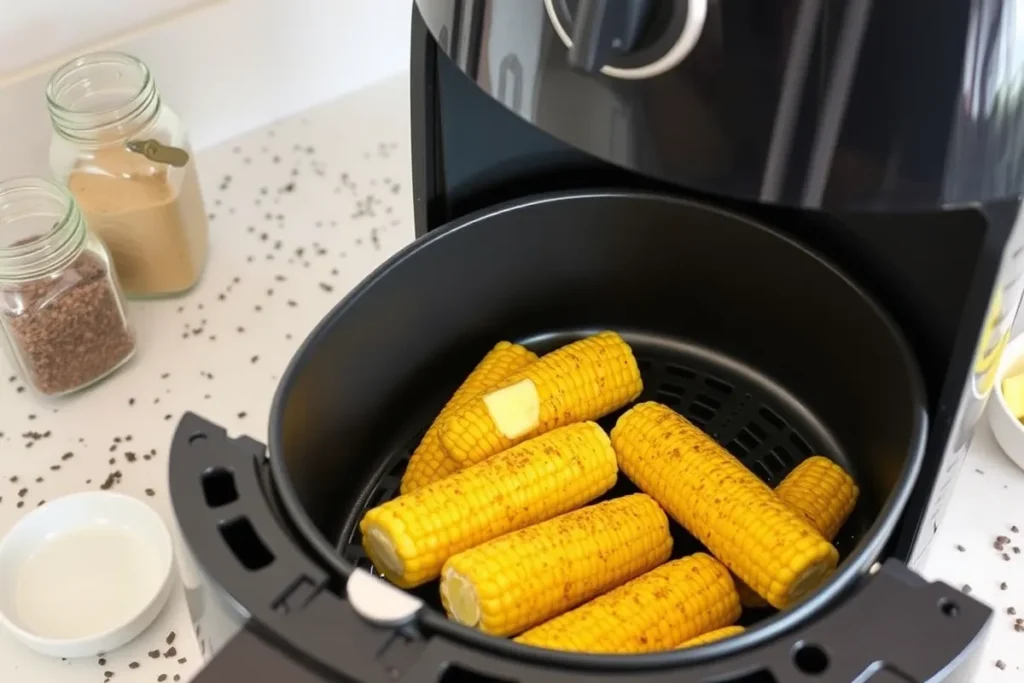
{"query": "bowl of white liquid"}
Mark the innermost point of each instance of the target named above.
(84, 574)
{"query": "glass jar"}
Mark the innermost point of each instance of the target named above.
(61, 311)
(126, 158)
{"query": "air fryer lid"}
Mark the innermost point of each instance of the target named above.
(759, 341)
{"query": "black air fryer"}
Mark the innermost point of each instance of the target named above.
(802, 215)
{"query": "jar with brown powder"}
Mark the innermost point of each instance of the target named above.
(125, 156)
(61, 311)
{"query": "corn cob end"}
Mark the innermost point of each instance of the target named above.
(382, 550)
(460, 599)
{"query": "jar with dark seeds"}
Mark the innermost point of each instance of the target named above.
(61, 308)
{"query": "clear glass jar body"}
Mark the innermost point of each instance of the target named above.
(62, 313)
(146, 206)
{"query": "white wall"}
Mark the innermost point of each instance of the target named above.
(225, 66)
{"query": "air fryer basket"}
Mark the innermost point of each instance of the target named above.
(755, 338)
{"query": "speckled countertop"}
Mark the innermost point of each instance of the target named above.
(301, 211)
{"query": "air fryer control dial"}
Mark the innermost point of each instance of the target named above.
(629, 39)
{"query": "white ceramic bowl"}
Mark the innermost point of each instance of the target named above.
(84, 574)
(1008, 430)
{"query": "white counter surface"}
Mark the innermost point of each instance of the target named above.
(302, 211)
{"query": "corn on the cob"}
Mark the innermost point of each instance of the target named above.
(584, 380)
(712, 637)
(430, 462)
(410, 537)
(823, 493)
(773, 549)
(523, 578)
(670, 604)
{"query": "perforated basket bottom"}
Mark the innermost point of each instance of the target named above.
(756, 419)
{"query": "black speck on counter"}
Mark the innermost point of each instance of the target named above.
(108, 674)
(54, 468)
(1011, 610)
(168, 416)
(133, 665)
(170, 638)
(254, 359)
(242, 414)
(326, 287)
(154, 654)
(161, 678)
(177, 677)
(108, 482)
(961, 548)
(22, 492)
(102, 661)
(1001, 665)
(131, 401)
(182, 660)
(14, 479)
(1002, 586)
(39, 480)
(292, 303)
(130, 456)
(1006, 557)
(20, 389)
(67, 456)
(112, 461)
(113, 447)
(978, 471)
(240, 329)
(171, 652)
(21, 504)
(1014, 529)
(165, 375)
(150, 492)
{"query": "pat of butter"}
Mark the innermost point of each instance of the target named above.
(515, 409)
(1013, 392)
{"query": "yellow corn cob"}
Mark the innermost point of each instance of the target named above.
(429, 462)
(823, 493)
(584, 380)
(410, 537)
(675, 602)
(742, 522)
(523, 578)
(712, 637)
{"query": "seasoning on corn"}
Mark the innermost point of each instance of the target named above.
(734, 514)
(429, 462)
(823, 493)
(409, 538)
(518, 580)
(675, 602)
(584, 380)
(712, 637)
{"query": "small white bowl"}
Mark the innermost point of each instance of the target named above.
(84, 574)
(1008, 430)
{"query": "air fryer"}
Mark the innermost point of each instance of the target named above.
(802, 218)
